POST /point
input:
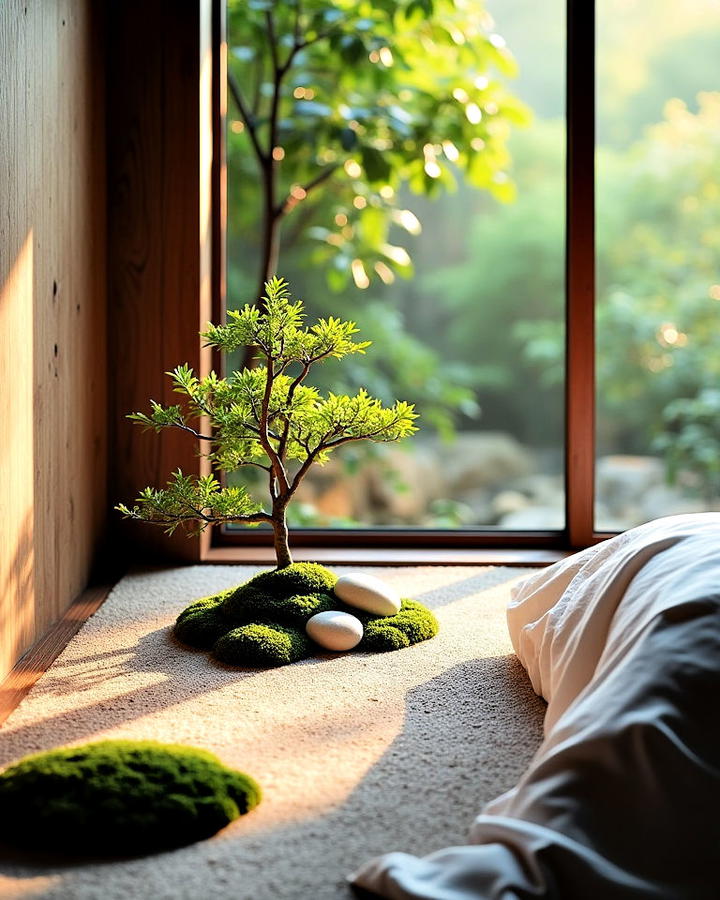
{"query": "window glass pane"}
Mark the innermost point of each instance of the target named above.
(420, 170)
(658, 255)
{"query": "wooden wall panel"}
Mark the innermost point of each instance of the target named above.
(159, 240)
(52, 312)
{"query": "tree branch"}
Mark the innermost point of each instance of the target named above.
(282, 447)
(332, 444)
(275, 461)
(259, 78)
(247, 118)
(257, 465)
(169, 519)
(297, 29)
(163, 517)
(181, 425)
(360, 437)
(314, 453)
(290, 202)
(320, 36)
(272, 485)
(302, 471)
(314, 359)
(272, 40)
(201, 437)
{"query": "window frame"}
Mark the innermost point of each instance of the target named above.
(410, 545)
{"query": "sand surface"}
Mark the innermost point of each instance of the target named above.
(357, 754)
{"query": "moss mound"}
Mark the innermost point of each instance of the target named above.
(262, 622)
(120, 797)
(382, 638)
(259, 593)
(414, 623)
(203, 622)
(294, 610)
(263, 644)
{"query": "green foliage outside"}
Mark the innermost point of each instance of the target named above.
(658, 244)
(690, 442)
(114, 798)
(365, 105)
(262, 623)
(658, 250)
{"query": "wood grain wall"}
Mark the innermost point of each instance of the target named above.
(159, 243)
(52, 312)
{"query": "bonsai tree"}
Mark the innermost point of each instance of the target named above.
(264, 417)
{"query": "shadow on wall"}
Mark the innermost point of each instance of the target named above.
(17, 485)
(17, 593)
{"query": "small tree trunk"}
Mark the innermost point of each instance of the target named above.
(271, 245)
(270, 242)
(280, 530)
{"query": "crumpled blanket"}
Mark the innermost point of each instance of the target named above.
(622, 799)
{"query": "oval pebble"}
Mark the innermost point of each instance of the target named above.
(335, 630)
(368, 592)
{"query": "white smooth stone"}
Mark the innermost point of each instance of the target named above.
(335, 630)
(369, 593)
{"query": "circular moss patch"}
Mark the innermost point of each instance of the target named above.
(262, 644)
(414, 623)
(120, 797)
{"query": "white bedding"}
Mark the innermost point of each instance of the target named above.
(622, 800)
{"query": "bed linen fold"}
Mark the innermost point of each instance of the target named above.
(622, 799)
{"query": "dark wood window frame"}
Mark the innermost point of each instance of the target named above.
(166, 96)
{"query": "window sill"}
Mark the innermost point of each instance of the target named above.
(389, 556)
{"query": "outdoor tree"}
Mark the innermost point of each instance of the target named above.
(264, 417)
(341, 103)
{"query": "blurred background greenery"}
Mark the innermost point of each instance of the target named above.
(440, 230)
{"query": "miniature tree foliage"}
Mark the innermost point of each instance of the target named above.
(265, 417)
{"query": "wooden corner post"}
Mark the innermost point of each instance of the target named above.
(160, 156)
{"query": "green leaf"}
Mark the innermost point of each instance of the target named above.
(348, 139)
(376, 164)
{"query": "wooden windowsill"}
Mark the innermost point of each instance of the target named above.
(389, 556)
